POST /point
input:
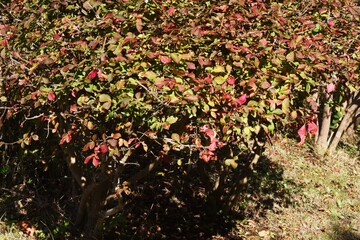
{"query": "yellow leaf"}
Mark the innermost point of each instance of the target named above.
(175, 137)
(290, 57)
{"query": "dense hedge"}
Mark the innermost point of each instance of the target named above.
(120, 84)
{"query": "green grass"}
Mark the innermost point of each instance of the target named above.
(325, 193)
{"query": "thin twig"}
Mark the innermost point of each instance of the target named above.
(31, 118)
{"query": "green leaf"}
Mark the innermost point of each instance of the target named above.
(82, 100)
(3, 99)
(176, 57)
(171, 119)
(145, 146)
(256, 62)
(90, 4)
(179, 162)
(228, 69)
(271, 127)
(317, 28)
(247, 131)
(257, 129)
(104, 98)
(285, 107)
(219, 80)
(206, 108)
(231, 162)
(175, 137)
(252, 103)
(352, 88)
(277, 111)
(303, 75)
(173, 99)
(150, 75)
(211, 103)
(218, 69)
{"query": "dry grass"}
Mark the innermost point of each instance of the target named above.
(326, 194)
(12, 233)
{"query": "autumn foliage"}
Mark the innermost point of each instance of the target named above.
(120, 88)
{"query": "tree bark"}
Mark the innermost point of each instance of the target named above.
(345, 122)
(351, 136)
(322, 141)
(90, 209)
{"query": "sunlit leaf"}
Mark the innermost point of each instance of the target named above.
(219, 80)
(290, 57)
(104, 98)
(175, 137)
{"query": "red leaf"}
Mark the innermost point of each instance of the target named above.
(92, 74)
(56, 36)
(73, 108)
(63, 50)
(241, 100)
(66, 137)
(165, 59)
(206, 155)
(131, 140)
(255, 10)
(302, 135)
(204, 128)
(152, 55)
(104, 148)
(222, 8)
(212, 146)
(101, 75)
(210, 133)
(263, 42)
(312, 128)
(226, 96)
(88, 158)
(191, 65)
(330, 87)
(4, 42)
(51, 96)
(97, 149)
(204, 61)
(171, 11)
(331, 22)
(96, 160)
(231, 80)
(139, 24)
(113, 142)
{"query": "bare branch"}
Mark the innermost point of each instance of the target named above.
(143, 173)
(113, 211)
(31, 118)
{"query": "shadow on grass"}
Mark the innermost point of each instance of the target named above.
(341, 231)
(36, 198)
(172, 207)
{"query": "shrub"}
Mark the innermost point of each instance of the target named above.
(120, 88)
